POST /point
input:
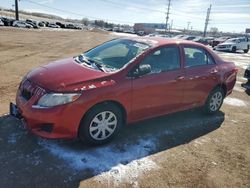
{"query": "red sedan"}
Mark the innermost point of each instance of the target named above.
(91, 96)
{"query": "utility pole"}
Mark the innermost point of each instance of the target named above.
(167, 17)
(207, 20)
(188, 23)
(17, 13)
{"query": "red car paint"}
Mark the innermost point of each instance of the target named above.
(141, 98)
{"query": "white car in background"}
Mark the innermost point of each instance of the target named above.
(53, 25)
(234, 44)
(21, 24)
(1, 23)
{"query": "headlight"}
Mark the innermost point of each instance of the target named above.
(55, 99)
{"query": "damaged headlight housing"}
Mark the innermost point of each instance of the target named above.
(55, 99)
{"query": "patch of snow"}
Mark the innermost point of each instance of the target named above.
(12, 138)
(103, 158)
(239, 82)
(124, 34)
(234, 121)
(234, 102)
(243, 65)
(238, 88)
(242, 78)
(127, 173)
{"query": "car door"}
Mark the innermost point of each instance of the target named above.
(201, 75)
(161, 90)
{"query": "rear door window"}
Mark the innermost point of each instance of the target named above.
(197, 57)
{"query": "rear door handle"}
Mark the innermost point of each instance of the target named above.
(213, 71)
(178, 78)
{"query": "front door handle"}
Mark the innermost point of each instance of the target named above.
(213, 71)
(179, 78)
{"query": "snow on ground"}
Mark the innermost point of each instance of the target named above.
(103, 158)
(127, 173)
(238, 88)
(124, 34)
(234, 102)
(240, 60)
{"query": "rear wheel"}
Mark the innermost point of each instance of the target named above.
(214, 101)
(101, 124)
(246, 50)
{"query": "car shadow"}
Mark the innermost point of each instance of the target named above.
(27, 160)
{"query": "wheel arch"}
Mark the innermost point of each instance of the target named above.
(107, 102)
(223, 86)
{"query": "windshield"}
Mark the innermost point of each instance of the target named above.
(115, 54)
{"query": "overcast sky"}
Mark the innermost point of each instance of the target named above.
(226, 15)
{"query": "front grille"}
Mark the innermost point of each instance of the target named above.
(26, 94)
(28, 89)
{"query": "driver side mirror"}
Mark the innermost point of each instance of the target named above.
(141, 70)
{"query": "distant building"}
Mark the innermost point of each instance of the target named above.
(148, 27)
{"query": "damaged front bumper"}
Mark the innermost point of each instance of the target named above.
(14, 111)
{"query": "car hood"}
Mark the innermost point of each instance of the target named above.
(67, 75)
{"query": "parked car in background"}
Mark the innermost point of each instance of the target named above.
(92, 95)
(201, 40)
(61, 24)
(209, 40)
(1, 23)
(219, 40)
(178, 36)
(234, 44)
(32, 23)
(41, 24)
(53, 25)
(7, 21)
(21, 24)
(247, 76)
(188, 37)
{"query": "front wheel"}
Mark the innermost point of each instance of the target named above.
(214, 101)
(234, 49)
(101, 124)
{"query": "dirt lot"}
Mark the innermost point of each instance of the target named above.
(186, 149)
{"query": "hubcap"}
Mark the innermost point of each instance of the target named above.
(216, 101)
(103, 125)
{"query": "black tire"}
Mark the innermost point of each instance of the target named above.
(209, 108)
(246, 50)
(86, 135)
(234, 49)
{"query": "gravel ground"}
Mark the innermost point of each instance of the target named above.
(186, 149)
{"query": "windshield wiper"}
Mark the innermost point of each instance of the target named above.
(90, 62)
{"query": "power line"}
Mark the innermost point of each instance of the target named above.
(77, 14)
(144, 9)
(134, 6)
